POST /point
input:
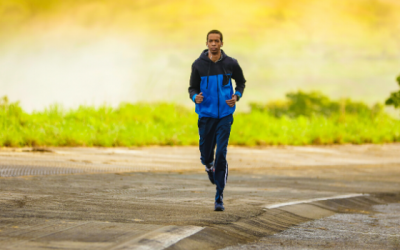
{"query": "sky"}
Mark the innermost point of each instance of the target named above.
(104, 52)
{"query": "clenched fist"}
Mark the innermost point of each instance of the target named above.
(199, 98)
(232, 101)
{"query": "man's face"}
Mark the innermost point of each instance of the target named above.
(214, 43)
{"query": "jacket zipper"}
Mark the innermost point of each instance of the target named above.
(218, 94)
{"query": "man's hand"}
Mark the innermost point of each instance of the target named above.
(232, 101)
(199, 98)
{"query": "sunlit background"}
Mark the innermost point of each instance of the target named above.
(97, 52)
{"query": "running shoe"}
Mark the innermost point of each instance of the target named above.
(219, 206)
(210, 172)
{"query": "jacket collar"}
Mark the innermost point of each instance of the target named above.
(204, 56)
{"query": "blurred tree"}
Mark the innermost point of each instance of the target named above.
(394, 98)
(315, 103)
(4, 101)
(308, 104)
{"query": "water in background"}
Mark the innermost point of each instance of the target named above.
(106, 52)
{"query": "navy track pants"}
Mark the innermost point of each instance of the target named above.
(215, 132)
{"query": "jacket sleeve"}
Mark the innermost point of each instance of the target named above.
(237, 74)
(194, 87)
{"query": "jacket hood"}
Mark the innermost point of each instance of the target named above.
(204, 55)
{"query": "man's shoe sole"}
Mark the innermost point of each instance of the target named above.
(210, 173)
(211, 176)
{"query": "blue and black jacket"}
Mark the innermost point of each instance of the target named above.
(214, 80)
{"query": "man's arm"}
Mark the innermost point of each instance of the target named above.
(237, 74)
(194, 87)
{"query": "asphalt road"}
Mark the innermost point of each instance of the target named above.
(378, 228)
(160, 197)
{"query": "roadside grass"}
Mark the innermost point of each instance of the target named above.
(258, 128)
(145, 124)
(127, 125)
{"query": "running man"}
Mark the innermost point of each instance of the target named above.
(212, 91)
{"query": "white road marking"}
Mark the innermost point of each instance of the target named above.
(312, 200)
(159, 239)
(314, 150)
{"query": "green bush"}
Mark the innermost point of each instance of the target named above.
(318, 121)
(394, 99)
(314, 104)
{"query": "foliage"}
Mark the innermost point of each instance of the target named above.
(314, 103)
(394, 98)
(144, 124)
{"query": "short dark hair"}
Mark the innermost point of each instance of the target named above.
(214, 32)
